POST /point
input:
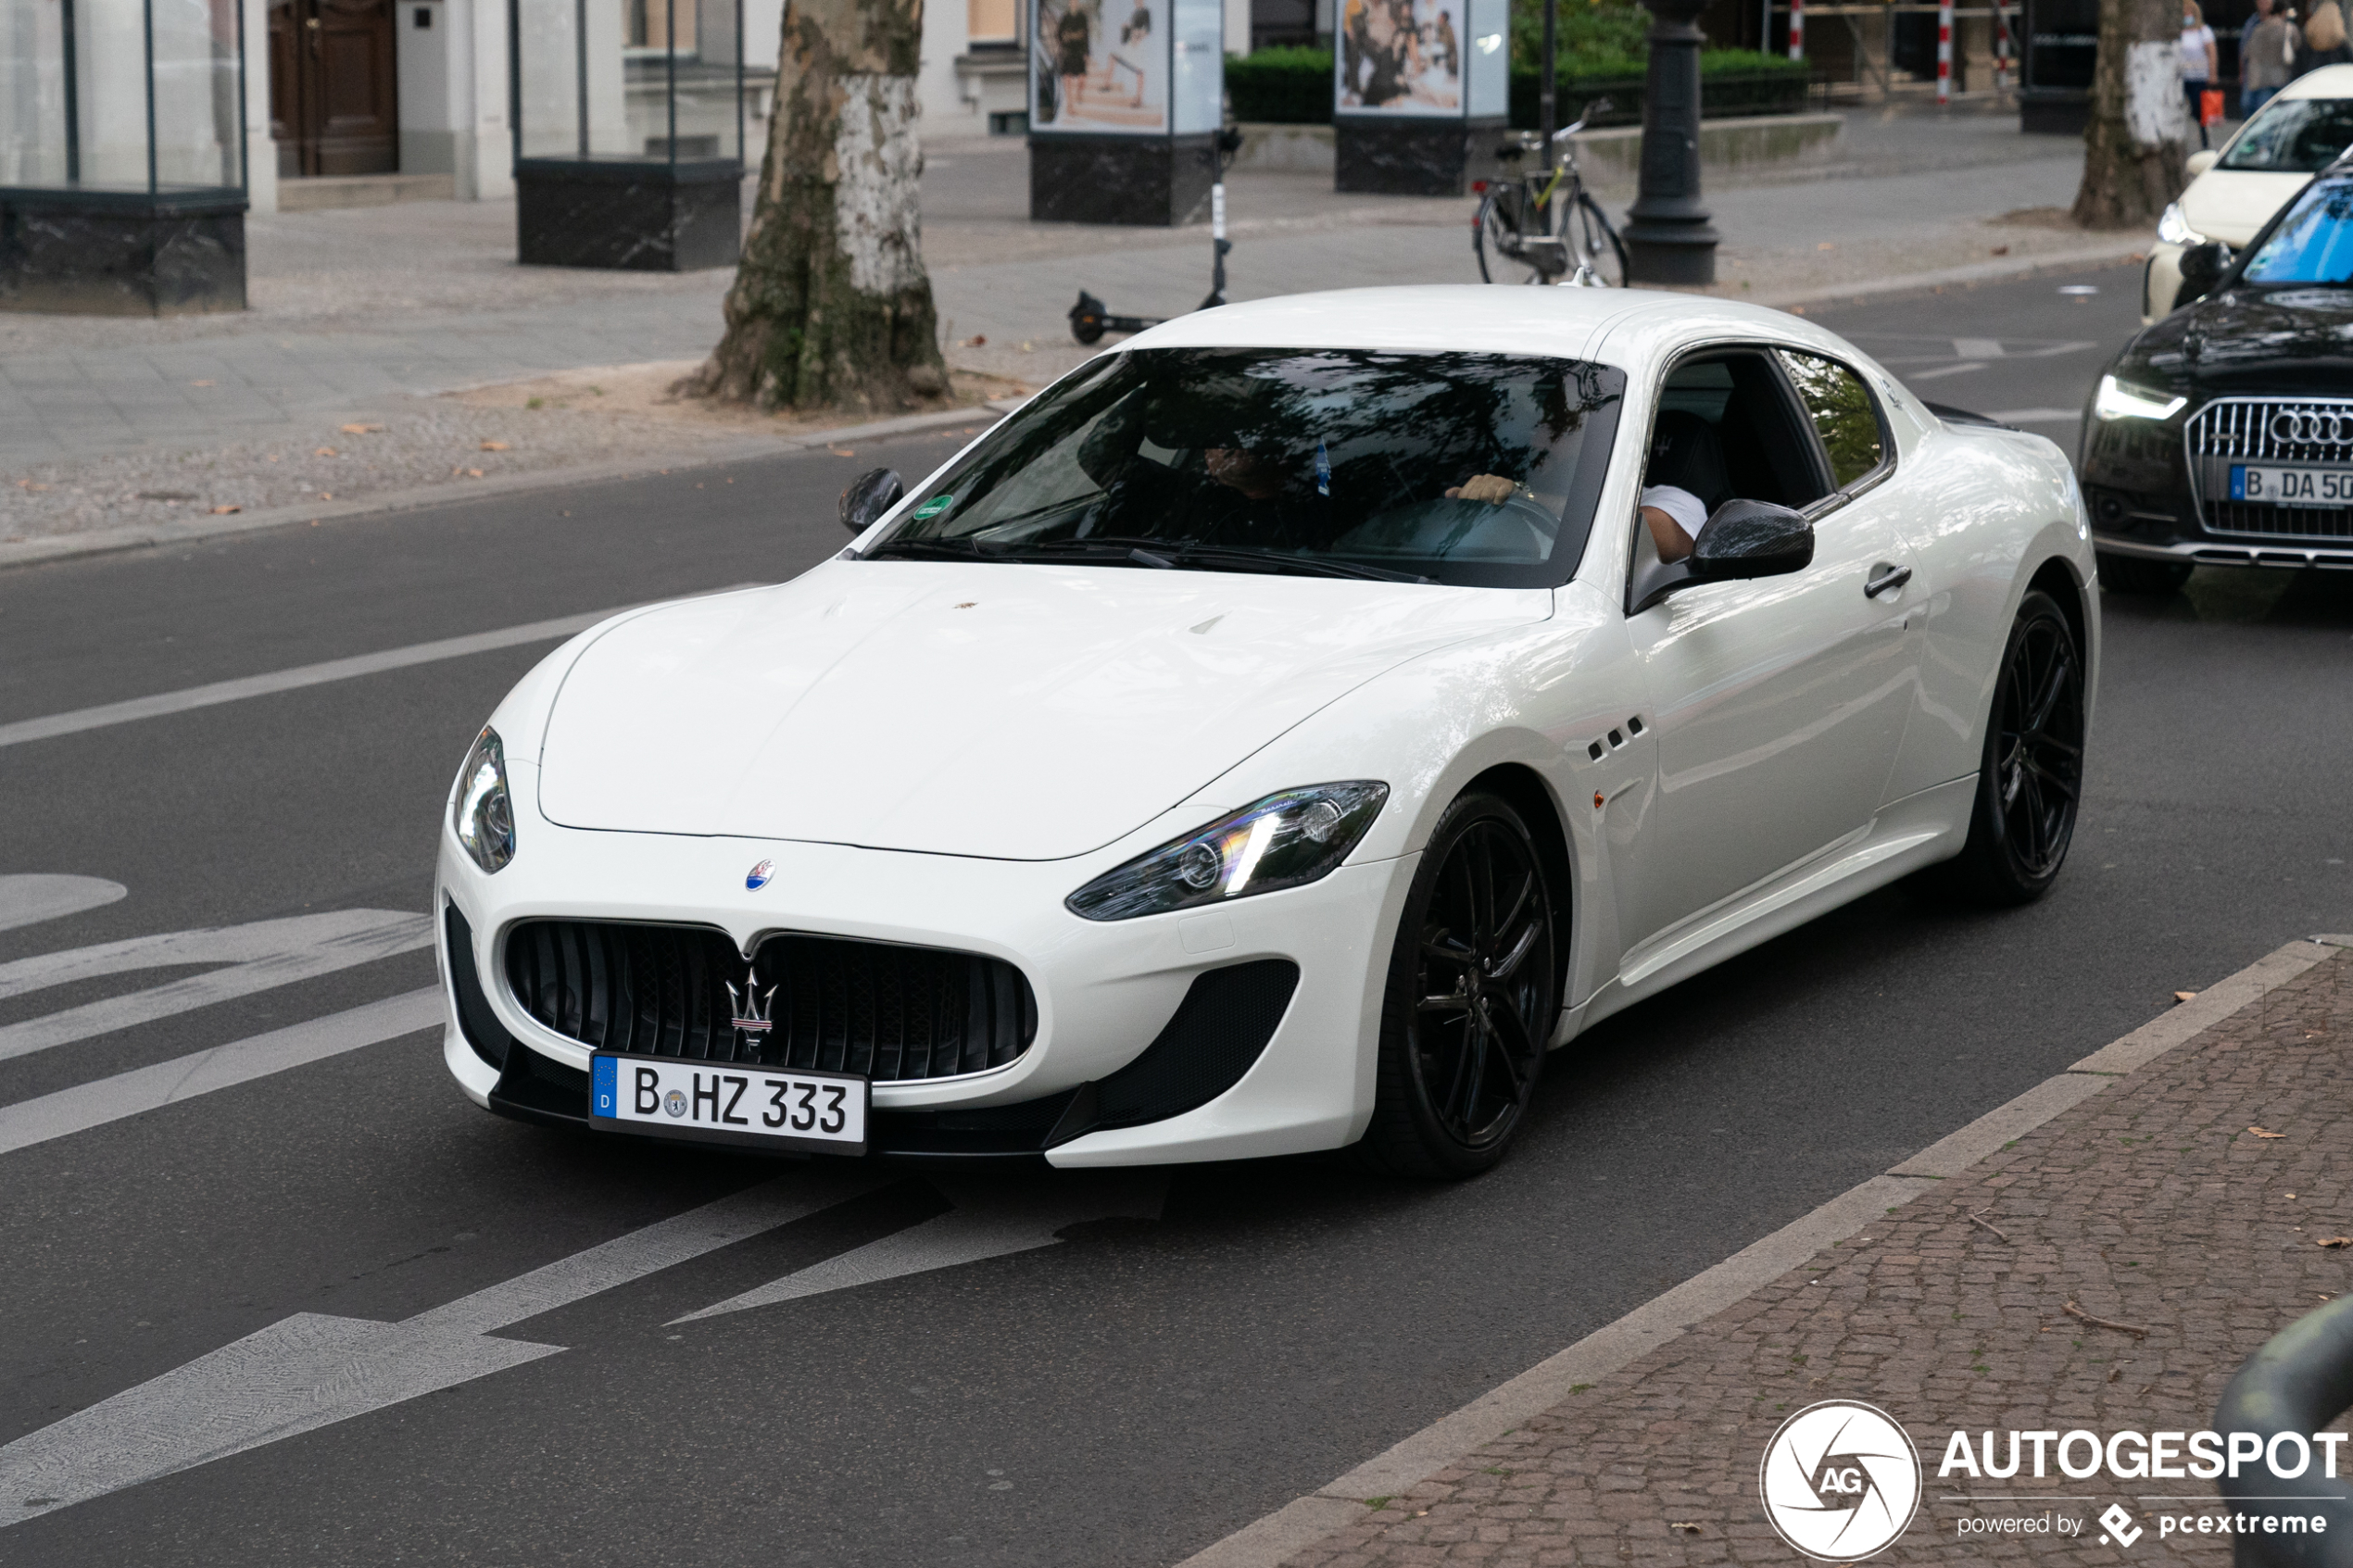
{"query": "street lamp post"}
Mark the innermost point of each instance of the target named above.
(1668, 239)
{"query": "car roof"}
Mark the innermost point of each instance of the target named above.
(1567, 323)
(2329, 81)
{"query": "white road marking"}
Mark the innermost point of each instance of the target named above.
(989, 1220)
(306, 675)
(1942, 372)
(310, 1371)
(1977, 349)
(95, 1104)
(263, 954)
(26, 900)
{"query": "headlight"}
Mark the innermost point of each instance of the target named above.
(2174, 229)
(1280, 842)
(2118, 400)
(485, 814)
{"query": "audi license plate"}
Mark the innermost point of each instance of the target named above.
(712, 1101)
(2292, 487)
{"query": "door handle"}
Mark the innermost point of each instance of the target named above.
(1885, 578)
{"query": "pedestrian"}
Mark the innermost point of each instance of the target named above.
(2200, 66)
(2323, 39)
(2267, 56)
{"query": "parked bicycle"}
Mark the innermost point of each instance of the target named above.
(1544, 226)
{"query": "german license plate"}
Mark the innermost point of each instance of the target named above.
(2292, 487)
(716, 1102)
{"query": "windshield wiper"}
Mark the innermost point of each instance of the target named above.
(1168, 552)
(930, 550)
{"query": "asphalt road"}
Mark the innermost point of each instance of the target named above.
(1127, 1395)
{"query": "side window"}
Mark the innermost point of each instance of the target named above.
(1726, 429)
(1844, 414)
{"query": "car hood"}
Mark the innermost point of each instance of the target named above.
(1016, 712)
(2230, 205)
(2284, 343)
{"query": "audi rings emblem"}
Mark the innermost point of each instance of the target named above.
(2307, 428)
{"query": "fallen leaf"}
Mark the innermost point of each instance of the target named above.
(2336, 1241)
(2261, 1133)
(978, 340)
(1826, 245)
(2001, 250)
(494, 446)
(1029, 347)
(474, 472)
(324, 452)
(2185, 996)
(362, 430)
(326, 495)
(200, 383)
(28, 484)
(223, 511)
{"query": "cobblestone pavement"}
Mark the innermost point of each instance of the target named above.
(2157, 1204)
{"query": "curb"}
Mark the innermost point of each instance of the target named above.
(2111, 253)
(137, 537)
(1269, 1541)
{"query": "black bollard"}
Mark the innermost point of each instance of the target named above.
(1668, 239)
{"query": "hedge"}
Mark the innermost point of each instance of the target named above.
(1293, 86)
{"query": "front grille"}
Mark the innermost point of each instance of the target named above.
(2268, 429)
(2278, 522)
(892, 1013)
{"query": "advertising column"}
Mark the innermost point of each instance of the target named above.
(1420, 93)
(1124, 101)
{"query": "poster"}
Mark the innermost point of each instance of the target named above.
(1400, 56)
(1101, 67)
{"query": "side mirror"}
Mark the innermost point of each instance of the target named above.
(869, 496)
(1741, 539)
(2202, 267)
(2202, 159)
(1751, 539)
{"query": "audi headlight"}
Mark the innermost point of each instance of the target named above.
(1282, 841)
(2121, 400)
(484, 816)
(2174, 229)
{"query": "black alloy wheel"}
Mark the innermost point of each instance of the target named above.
(2031, 780)
(1471, 998)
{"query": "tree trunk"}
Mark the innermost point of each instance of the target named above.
(831, 307)
(2139, 130)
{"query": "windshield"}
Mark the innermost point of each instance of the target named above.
(1473, 468)
(2313, 244)
(2293, 136)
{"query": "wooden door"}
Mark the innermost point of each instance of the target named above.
(334, 94)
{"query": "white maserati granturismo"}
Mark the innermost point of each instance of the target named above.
(1274, 738)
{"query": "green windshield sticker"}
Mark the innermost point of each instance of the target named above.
(934, 506)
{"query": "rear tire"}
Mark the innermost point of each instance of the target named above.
(2136, 575)
(2030, 780)
(1490, 230)
(1471, 998)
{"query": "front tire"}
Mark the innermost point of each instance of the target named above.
(1471, 998)
(1597, 241)
(2031, 779)
(2136, 575)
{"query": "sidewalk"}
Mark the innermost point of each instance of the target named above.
(2195, 1199)
(373, 317)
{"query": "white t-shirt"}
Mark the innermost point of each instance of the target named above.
(2195, 42)
(1689, 512)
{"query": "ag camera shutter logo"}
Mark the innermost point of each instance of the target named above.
(1840, 1481)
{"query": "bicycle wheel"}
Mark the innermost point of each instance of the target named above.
(1494, 238)
(1596, 242)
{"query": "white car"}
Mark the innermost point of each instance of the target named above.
(2235, 188)
(1272, 738)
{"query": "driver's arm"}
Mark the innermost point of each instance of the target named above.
(1674, 516)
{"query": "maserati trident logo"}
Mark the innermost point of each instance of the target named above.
(757, 878)
(751, 1007)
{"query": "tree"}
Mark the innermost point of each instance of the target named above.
(831, 307)
(2138, 133)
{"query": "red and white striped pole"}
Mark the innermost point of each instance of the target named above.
(2001, 48)
(1943, 53)
(1796, 29)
